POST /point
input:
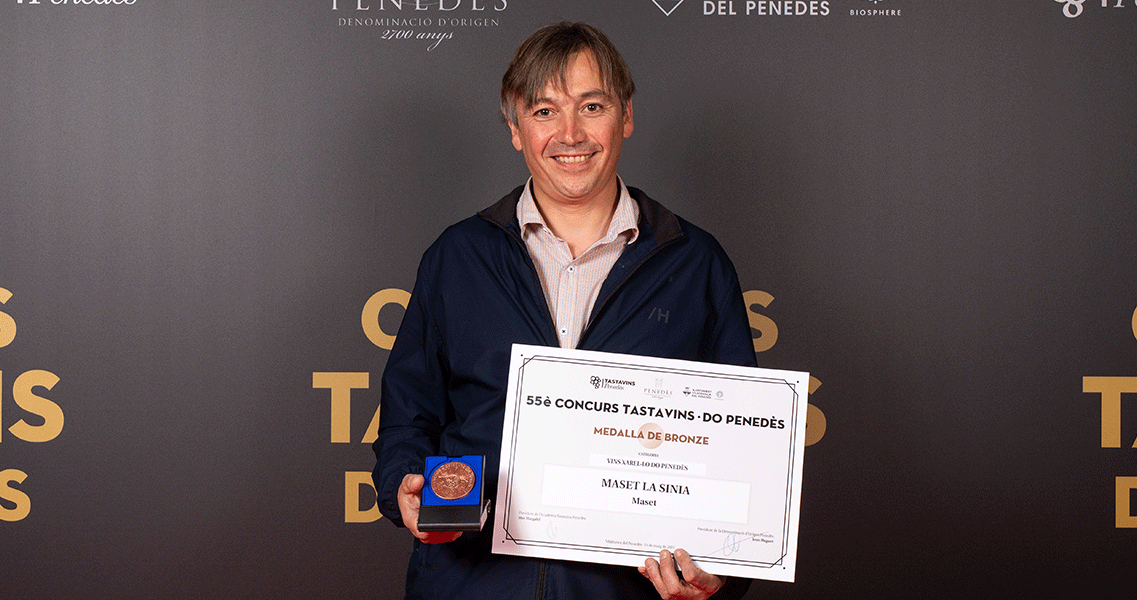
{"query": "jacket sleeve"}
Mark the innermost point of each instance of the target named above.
(414, 401)
(731, 341)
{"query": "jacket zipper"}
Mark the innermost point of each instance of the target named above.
(540, 579)
(604, 300)
(533, 269)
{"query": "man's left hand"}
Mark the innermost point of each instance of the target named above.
(695, 584)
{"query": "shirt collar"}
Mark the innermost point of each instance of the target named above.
(624, 220)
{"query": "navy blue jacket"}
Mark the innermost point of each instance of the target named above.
(673, 293)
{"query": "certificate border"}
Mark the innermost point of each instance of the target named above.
(787, 509)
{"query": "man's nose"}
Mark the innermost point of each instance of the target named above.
(570, 131)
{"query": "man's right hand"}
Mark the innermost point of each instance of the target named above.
(410, 498)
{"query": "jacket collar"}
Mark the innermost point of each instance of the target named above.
(656, 222)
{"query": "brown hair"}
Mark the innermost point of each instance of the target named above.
(544, 57)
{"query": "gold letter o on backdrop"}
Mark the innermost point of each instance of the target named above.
(371, 310)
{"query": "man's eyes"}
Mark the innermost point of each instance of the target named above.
(591, 107)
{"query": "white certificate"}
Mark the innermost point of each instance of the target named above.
(609, 458)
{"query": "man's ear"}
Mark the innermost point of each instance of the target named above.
(516, 134)
(629, 124)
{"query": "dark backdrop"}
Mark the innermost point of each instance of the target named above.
(931, 206)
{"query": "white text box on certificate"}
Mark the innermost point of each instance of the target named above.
(655, 495)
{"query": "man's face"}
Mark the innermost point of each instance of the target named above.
(571, 137)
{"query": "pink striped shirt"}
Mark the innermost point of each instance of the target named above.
(571, 285)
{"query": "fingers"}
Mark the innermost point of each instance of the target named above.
(411, 484)
(410, 499)
(651, 571)
(662, 575)
(693, 583)
(667, 570)
(695, 576)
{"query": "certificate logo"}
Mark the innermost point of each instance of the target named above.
(657, 391)
(698, 393)
(602, 383)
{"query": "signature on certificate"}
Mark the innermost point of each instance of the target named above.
(732, 542)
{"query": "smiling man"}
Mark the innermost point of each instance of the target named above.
(571, 136)
(573, 258)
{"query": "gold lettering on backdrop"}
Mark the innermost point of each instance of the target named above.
(370, 317)
(1110, 389)
(765, 326)
(353, 482)
(341, 385)
(767, 329)
(45, 426)
(7, 323)
(43, 408)
(22, 504)
(814, 419)
(1124, 517)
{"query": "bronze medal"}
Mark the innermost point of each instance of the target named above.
(452, 480)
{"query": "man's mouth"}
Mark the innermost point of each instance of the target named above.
(573, 159)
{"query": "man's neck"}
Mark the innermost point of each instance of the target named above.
(579, 225)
